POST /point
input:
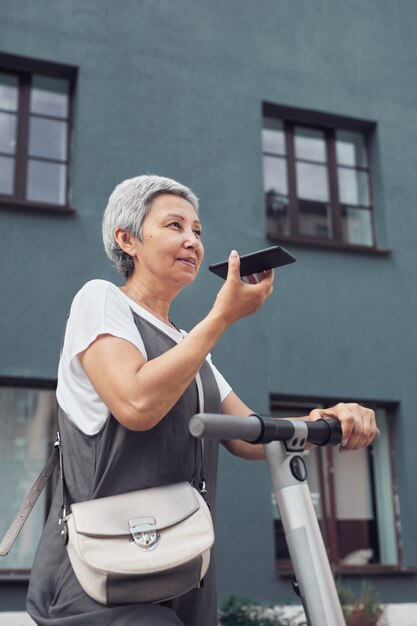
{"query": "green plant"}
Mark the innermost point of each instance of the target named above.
(364, 611)
(243, 612)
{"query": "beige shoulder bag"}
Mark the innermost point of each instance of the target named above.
(149, 545)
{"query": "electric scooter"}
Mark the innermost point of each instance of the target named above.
(284, 442)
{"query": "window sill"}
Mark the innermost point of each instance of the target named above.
(284, 570)
(38, 207)
(375, 570)
(14, 576)
(325, 244)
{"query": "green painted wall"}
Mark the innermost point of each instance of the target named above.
(176, 88)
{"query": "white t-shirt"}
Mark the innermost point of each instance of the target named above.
(101, 308)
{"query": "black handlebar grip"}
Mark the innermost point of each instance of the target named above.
(325, 432)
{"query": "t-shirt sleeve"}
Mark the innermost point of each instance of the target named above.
(224, 387)
(97, 309)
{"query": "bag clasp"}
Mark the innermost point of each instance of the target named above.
(144, 533)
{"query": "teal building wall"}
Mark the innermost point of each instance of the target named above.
(176, 88)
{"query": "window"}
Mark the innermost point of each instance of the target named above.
(317, 180)
(27, 421)
(354, 496)
(35, 133)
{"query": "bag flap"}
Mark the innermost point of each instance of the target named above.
(110, 516)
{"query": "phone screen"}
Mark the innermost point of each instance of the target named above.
(255, 262)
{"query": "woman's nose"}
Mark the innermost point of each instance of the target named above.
(191, 240)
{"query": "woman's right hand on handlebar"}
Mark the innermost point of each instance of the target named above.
(237, 299)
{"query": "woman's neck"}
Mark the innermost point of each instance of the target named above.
(156, 304)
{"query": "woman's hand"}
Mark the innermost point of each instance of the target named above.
(358, 424)
(237, 299)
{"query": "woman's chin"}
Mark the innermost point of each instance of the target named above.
(187, 278)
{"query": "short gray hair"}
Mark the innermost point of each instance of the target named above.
(127, 208)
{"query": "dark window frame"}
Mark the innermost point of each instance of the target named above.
(24, 68)
(284, 566)
(329, 125)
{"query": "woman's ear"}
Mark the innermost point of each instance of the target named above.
(125, 240)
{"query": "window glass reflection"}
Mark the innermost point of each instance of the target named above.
(275, 175)
(46, 182)
(353, 187)
(383, 479)
(6, 175)
(277, 214)
(350, 149)
(357, 226)
(312, 181)
(354, 513)
(8, 132)
(26, 418)
(48, 138)
(49, 96)
(310, 144)
(313, 187)
(273, 137)
(315, 219)
(8, 92)
(366, 528)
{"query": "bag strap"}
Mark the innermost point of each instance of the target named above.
(31, 499)
(200, 390)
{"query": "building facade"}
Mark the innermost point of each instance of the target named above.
(294, 122)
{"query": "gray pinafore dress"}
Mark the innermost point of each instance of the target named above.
(115, 461)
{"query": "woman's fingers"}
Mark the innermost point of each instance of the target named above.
(237, 299)
(233, 270)
(255, 279)
(358, 424)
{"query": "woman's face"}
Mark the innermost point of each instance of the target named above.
(171, 249)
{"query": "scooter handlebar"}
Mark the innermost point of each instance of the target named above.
(259, 429)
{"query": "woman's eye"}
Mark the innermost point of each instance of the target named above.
(178, 226)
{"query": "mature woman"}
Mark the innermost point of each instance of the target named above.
(126, 390)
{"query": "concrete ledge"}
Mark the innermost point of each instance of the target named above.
(396, 614)
(16, 619)
(401, 614)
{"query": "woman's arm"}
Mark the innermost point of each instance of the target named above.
(140, 393)
(233, 405)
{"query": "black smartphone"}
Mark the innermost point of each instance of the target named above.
(256, 261)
